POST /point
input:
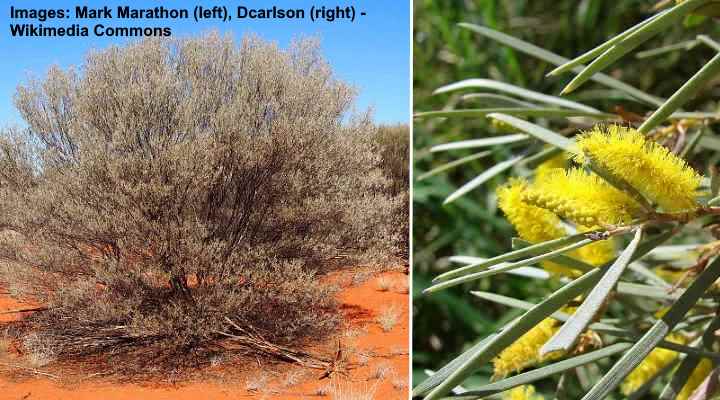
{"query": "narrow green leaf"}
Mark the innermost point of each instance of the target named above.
(482, 178)
(520, 112)
(559, 315)
(453, 164)
(632, 41)
(540, 157)
(656, 333)
(513, 331)
(484, 142)
(534, 250)
(651, 292)
(451, 376)
(649, 276)
(694, 115)
(714, 181)
(504, 267)
(714, 201)
(496, 100)
(514, 90)
(555, 59)
(567, 335)
(443, 373)
(567, 261)
(537, 131)
(547, 371)
(683, 95)
(692, 143)
(591, 54)
(709, 42)
(684, 45)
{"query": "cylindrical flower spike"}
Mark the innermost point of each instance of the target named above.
(532, 223)
(653, 170)
(697, 377)
(560, 161)
(597, 253)
(658, 359)
(524, 392)
(525, 352)
(536, 225)
(583, 198)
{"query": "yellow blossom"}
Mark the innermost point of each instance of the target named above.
(525, 352)
(669, 274)
(697, 377)
(652, 169)
(536, 225)
(524, 392)
(558, 162)
(583, 198)
(658, 359)
(532, 223)
(597, 253)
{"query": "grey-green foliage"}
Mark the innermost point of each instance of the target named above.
(168, 187)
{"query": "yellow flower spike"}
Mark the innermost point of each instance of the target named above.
(697, 377)
(583, 198)
(597, 253)
(524, 392)
(658, 359)
(560, 161)
(525, 352)
(532, 223)
(652, 169)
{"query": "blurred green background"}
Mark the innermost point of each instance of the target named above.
(450, 321)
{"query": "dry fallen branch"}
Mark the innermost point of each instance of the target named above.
(22, 310)
(31, 370)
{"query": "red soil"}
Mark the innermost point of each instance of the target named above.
(371, 350)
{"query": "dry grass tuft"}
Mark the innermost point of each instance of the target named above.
(389, 317)
(257, 383)
(382, 371)
(348, 391)
(399, 384)
(384, 283)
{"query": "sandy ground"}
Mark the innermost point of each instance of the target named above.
(379, 356)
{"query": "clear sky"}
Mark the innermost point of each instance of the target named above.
(372, 53)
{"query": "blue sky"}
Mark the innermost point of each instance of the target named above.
(372, 53)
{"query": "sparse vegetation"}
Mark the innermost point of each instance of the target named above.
(384, 283)
(389, 317)
(348, 391)
(323, 390)
(171, 194)
(399, 384)
(293, 377)
(382, 371)
(257, 383)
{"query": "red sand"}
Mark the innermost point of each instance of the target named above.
(361, 306)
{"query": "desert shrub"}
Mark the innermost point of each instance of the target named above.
(394, 149)
(170, 193)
